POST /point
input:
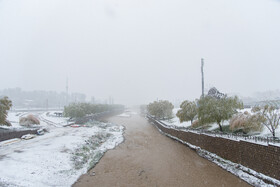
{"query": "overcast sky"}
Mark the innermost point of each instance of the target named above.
(139, 50)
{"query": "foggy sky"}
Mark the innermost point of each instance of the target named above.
(139, 50)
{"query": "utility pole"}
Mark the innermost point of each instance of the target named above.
(202, 76)
(67, 91)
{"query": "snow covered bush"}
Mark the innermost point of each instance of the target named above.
(217, 110)
(246, 122)
(187, 112)
(195, 124)
(29, 120)
(78, 110)
(86, 153)
(5, 105)
(161, 109)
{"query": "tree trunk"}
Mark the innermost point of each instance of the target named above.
(221, 129)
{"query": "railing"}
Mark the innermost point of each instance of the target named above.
(251, 138)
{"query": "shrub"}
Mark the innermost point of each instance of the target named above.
(187, 112)
(246, 122)
(5, 105)
(29, 120)
(161, 109)
(195, 124)
(78, 110)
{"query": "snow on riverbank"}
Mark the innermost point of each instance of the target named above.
(175, 121)
(57, 158)
(127, 114)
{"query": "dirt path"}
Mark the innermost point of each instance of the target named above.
(148, 158)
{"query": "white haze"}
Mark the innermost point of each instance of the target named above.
(139, 50)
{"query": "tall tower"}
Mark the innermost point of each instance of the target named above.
(67, 95)
(202, 76)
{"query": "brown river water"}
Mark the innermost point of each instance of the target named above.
(148, 158)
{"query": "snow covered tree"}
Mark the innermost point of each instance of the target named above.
(188, 111)
(79, 110)
(74, 110)
(161, 109)
(5, 105)
(212, 109)
(270, 117)
(246, 122)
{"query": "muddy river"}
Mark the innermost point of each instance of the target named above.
(148, 158)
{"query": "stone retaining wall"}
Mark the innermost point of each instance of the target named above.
(6, 135)
(261, 158)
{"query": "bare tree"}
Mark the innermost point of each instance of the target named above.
(270, 115)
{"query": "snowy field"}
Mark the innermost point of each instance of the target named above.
(45, 120)
(56, 158)
(175, 122)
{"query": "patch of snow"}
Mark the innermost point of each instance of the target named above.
(213, 126)
(175, 121)
(51, 119)
(10, 141)
(125, 115)
(48, 160)
(13, 118)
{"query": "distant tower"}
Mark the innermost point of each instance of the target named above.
(67, 91)
(202, 76)
(47, 104)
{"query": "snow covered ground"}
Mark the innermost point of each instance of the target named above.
(59, 157)
(176, 121)
(49, 117)
(14, 117)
